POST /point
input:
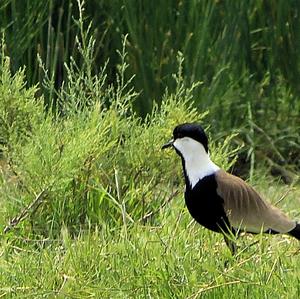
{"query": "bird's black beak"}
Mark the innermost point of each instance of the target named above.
(168, 144)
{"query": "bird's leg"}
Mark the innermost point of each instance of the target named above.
(229, 240)
(230, 235)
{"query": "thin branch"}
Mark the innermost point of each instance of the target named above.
(283, 196)
(32, 207)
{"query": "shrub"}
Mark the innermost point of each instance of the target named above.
(98, 162)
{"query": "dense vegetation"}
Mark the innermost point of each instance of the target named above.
(90, 207)
(244, 54)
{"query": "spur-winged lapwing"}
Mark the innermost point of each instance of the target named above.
(218, 200)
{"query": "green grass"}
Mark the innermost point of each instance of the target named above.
(175, 258)
(227, 44)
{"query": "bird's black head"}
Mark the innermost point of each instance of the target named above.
(191, 130)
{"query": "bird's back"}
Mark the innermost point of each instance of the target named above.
(246, 209)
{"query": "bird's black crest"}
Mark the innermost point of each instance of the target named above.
(192, 130)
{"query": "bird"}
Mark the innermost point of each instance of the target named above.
(219, 201)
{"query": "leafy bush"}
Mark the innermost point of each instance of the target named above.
(98, 162)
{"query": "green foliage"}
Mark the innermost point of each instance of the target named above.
(222, 41)
(19, 110)
(98, 164)
(242, 53)
(95, 159)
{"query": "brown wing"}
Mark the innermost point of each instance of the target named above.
(245, 208)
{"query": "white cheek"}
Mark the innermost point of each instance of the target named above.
(187, 146)
(177, 144)
(181, 144)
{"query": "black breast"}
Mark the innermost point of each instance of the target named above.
(206, 206)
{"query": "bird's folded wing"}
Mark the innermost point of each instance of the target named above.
(246, 210)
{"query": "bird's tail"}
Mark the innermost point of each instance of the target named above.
(296, 231)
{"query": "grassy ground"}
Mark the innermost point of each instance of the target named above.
(174, 258)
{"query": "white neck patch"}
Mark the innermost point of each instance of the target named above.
(196, 160)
